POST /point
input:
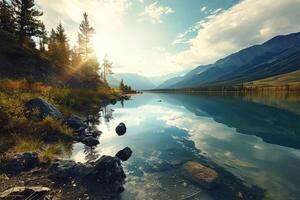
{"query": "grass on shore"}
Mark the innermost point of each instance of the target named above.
(20, 134)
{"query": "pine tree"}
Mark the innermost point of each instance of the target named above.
(52, 47)
(6, 17)
(43, 38)
(121, 87)
(84, 37)
(76, 59)
(107, 68)
(26, 19)
(63, 49)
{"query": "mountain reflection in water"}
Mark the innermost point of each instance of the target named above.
(257, 142)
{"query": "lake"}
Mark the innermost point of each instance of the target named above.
(255, 138)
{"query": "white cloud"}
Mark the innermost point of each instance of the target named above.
(247, 23)
(216, 11)
(154, 12)
(203, 8)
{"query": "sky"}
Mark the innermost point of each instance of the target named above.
(159, 37)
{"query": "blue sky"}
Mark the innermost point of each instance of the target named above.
(156, 37)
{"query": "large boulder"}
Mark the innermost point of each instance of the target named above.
(76, 123)
(124, 154)
(44, 109)
(121, 129)
(68, 169)
(200, 174)
(106, 173)
(21, 162)
(110, 173)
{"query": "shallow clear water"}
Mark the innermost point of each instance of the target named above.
(256, 139)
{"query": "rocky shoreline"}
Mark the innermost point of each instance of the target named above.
(26, 176)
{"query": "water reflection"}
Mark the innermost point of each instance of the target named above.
(237, 133)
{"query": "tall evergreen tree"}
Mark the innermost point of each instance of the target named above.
(6, 17)
(52, 46)
(121, 87)
(76, 59)
(62, 45)
(26, 19)
(43, 37)
(107, 68)
(84, 37)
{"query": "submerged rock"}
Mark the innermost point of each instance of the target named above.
(109, 173)
(44, 109)
(16, 193)
(121, 129)
(90, 141)
(124, 154)
(106, 173)
(21, 162)
(200, 174)
(76, 123)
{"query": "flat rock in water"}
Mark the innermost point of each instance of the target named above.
(200, 174)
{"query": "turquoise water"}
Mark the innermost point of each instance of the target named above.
(256, 139)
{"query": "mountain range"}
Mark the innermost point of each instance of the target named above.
(140, 82)
(276, 57)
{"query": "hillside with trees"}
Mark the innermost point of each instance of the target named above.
(40, 65)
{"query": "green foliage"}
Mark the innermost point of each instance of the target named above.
(6, 17)
(26, 19)
(125, 88)
(107, 68)
(59, 51)
(84, 37)
(43, 37)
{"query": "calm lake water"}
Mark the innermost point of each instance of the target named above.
(257, 139)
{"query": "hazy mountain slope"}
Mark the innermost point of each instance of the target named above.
(136, 81)
(187, 77)
(276, 56)
(168, 83)
(282, 79)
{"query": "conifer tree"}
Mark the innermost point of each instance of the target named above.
(43, 37)
(6, 17)
(76, 59)
(107, 68)
(84, 37)
(89, 68)
(121, 87)
(63, 49)
(26, 19)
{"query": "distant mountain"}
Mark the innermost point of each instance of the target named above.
(139, 82)
(136, 81)
(277, 56)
